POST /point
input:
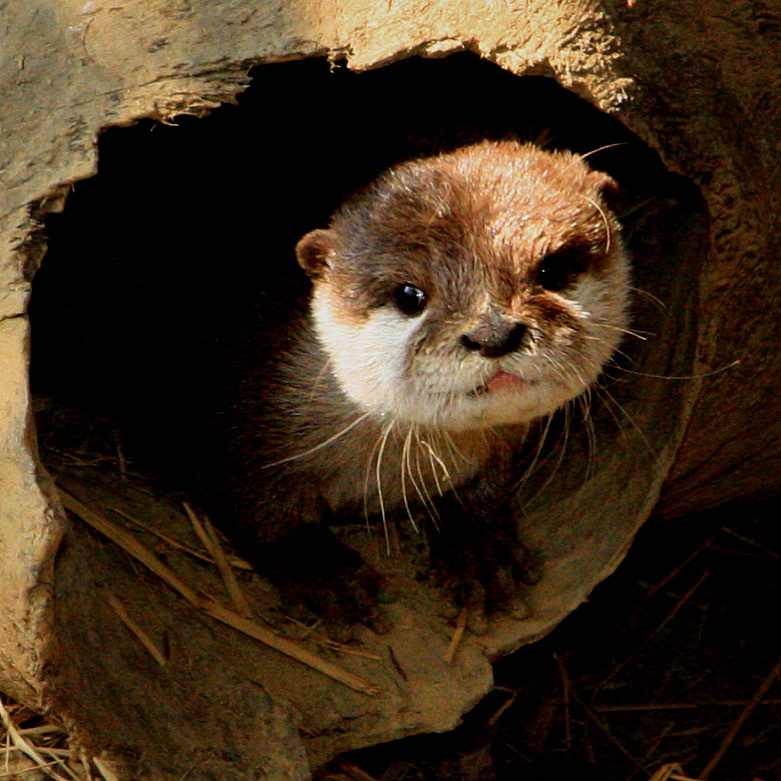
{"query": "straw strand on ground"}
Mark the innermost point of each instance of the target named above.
(742, 718)
(208, 536)
(191, 550)
(288, 647)
(140, 634)
(455, 640)
(25, 746)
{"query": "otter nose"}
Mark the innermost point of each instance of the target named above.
(492, 340)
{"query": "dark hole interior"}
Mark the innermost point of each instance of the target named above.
(189, 228)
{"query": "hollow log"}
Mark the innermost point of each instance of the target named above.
(694, 420)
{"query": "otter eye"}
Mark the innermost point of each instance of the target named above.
(560, 269)
(410, 300)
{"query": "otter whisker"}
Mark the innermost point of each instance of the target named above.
(604, 219)
(537, 457)
(601, 149)
(432, 456)
(378, 473)
(319, 378)
(419, 483)
(585, 400)
(404, 468)
(561, 368)
(608, 406)
(367, 476)
(566, 372)
(415, 430)
(452, 447)
(611, 399)
(651, 297)
(642, 335)
(713, 373)
(612, 362)
(425, 496)
(323, 444)
(560, 449)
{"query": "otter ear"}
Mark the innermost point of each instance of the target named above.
(312, 251)
(610, 191)
(606, 184)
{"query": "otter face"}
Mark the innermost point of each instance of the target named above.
(483, 287)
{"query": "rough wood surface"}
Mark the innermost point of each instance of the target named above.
(698, 81)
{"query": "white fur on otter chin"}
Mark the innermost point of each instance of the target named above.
(372, 364)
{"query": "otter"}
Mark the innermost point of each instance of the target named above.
(454, 300)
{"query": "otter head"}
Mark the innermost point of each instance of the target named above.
(482, 287)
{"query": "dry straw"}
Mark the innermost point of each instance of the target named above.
(231, 618)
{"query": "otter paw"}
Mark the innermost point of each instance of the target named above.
(487, 574)
(312, 570)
